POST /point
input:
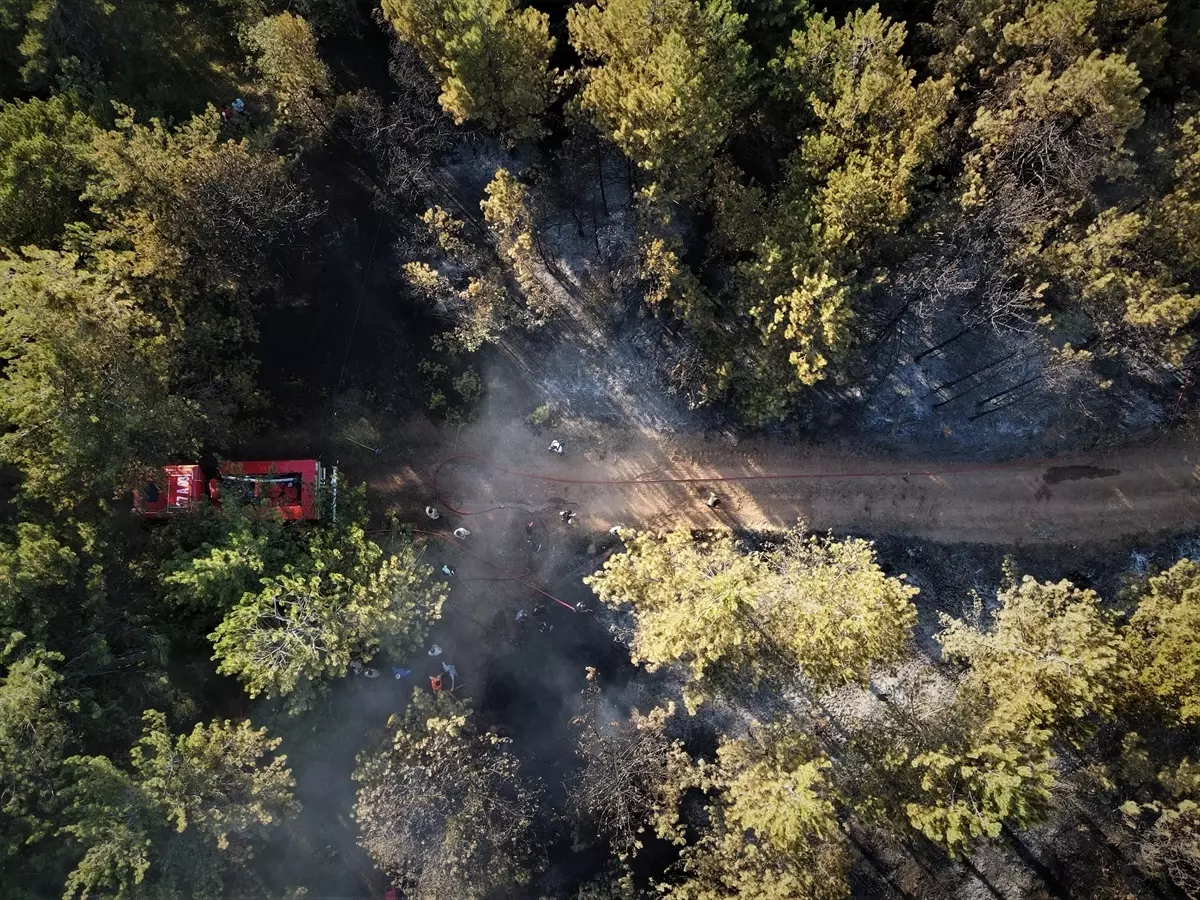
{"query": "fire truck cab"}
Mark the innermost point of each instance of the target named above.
(291, 487)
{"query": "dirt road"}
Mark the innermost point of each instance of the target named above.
(628, 477)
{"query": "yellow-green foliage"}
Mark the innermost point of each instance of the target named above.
(1171, 846)
(849, 184)
(877, 126)
(218, 788)
(492, 58)
(667, 80)
(978, 38)
(284, 51)
(772, 831)
(1123, 282)
(668, 280)
(1057, 132)
(1163, 641)
(946, 766)
(693, 600)
(816, 608)
(1179, 222)
(1051, 660)
(833, 608)
(970, 790)
(339, 598)
(507, 209)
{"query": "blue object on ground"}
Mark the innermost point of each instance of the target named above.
(400, 672)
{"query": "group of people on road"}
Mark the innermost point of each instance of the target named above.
(567, 516)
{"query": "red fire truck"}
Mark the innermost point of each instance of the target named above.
(289, 486)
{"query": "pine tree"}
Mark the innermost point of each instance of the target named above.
(1052, 659)
(667, 81)
(197, 210)
(284, 51)
(946, 766)
(1056, 134)
(34, 736)
(341, 598)
(972, 789)
(492, 58)
(43, 148)
(693, 600)
(507, 209)
(87, 389)
(1163, 642)
(832, 608)
(191, 811)
(869, 133)
(215, 779)
(772, 831)
(816, 608)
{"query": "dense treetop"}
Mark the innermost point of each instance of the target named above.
(786, 188)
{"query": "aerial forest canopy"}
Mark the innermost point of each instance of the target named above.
(792, 217)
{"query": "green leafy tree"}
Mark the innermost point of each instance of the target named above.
(198, 228)
(191, 810)
(218, 558)
(112, 822)
(342, 598)
(1051, 660)
(818, 608)
(1162, 641)
(442, 807)
(492, 58)
(284, 51)
(772, 828)
(43, 148)
(69, 590)
(667, 81)
(87, 393)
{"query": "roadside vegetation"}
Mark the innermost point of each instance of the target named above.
(809, 201)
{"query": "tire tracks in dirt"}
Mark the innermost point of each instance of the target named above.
(1087, 497)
